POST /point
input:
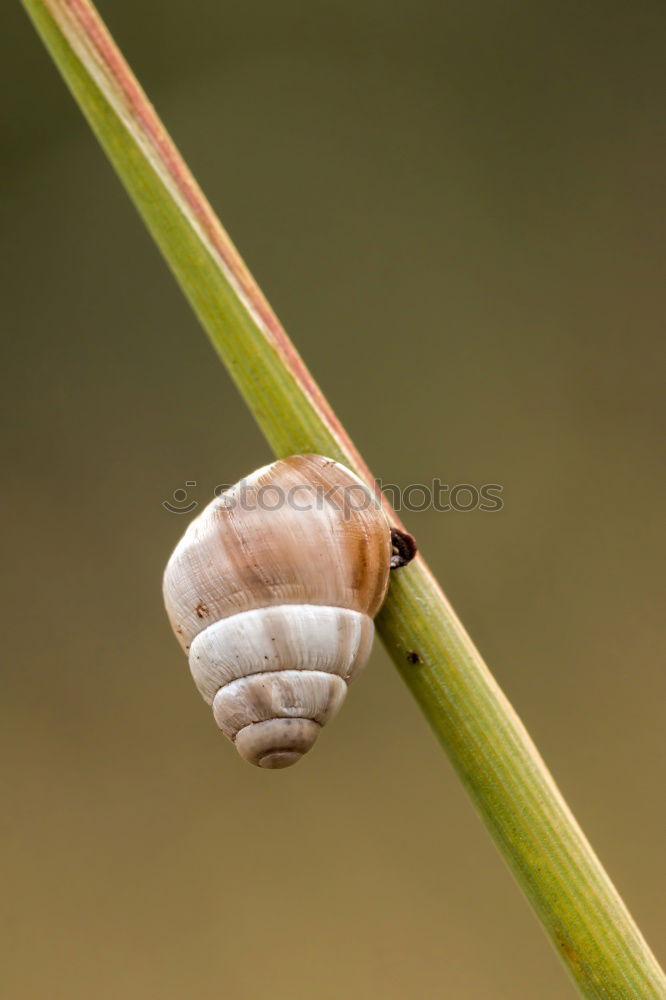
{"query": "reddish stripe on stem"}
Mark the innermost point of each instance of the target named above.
(89, 26)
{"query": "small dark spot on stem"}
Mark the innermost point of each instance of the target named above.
(201, 610)
(403, 548)
(569, 951)
(413, 657)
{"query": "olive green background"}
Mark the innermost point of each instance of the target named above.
(457, 209)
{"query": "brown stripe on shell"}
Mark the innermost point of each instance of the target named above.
(232, 560)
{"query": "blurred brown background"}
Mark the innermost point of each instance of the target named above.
(462, 200)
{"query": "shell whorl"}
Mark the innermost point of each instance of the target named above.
(273, 601)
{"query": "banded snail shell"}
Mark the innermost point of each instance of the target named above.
(271, 592)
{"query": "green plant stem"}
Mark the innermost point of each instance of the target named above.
(489, 747)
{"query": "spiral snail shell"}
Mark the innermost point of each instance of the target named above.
(271, 592)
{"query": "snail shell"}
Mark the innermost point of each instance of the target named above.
(271, 592)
